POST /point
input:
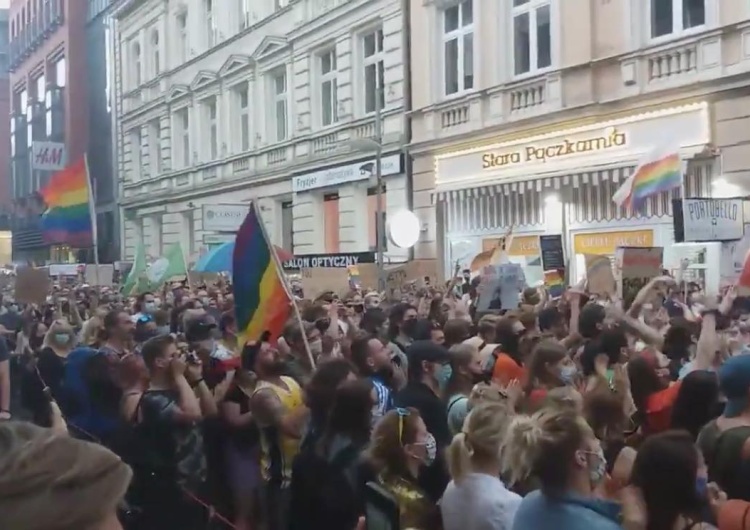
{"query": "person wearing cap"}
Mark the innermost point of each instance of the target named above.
(200, 332)
(725, 441)
(427, 361)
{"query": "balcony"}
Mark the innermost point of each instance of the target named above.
(265, 161)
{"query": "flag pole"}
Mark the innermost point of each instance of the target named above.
(280, 272)
(92, 212)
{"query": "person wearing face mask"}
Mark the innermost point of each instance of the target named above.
(401, 448)
(549, 367)
(427, 361)
(144, 305)
(402, 327)
(50, 370)
(558, 449)
(466, 371)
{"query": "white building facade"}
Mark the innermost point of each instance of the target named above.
(224, 102)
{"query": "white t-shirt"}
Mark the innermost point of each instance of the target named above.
(479, 502)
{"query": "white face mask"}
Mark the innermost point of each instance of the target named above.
(149, 306)
(316, 347)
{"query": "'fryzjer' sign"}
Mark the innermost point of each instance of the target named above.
(339, 261)
(713, 219)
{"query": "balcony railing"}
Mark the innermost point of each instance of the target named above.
(36, 32)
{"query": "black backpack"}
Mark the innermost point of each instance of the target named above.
(325, 494)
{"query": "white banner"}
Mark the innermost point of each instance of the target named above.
(713, 219)
(48, 156)
(224, 217)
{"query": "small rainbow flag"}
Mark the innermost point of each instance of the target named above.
(660, 171)
(262, 302)
(555, 283)
(68, 215)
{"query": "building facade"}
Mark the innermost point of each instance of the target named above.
(5, 180)
(274, 101)
(537, 135)
(48, 84)
(101, 144)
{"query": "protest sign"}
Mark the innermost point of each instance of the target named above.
(32, 285)
(500, 287)
(99, 275)
(319, 280)
(636, 267)
(599, 277)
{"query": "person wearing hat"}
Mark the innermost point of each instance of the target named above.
(422, 392)
(725, 441)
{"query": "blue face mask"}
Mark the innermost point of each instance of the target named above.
(62, 338)
(568, 373)
(701, 487)
(443, 374)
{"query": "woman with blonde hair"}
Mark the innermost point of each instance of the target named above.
(560, 451)
(400, 447)
(476, 498)
(51, 481)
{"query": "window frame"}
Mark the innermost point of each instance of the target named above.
(212, 146)
(243, 144)
(531, 8)
(378, 60)
(212, 34)
(156, 55)
(137, 52)
(678, 32)
(278, 98)
(156, 163)
(328, 77)
(458, 34)
(182, 41)
(181, 130)
(136, 155)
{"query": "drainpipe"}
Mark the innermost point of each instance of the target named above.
(407, 105)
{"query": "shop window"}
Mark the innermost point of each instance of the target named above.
(287, 226)
(331, 222)
(372, 216)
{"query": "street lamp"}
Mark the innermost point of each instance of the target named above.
(376, 144)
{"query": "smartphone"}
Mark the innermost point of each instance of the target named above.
(381, 509)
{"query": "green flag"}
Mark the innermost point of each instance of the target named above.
(136, 271)
(171, 264)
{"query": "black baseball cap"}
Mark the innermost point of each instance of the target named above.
(199, 328)
(426, 350)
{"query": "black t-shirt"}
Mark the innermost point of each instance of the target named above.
(243, 437)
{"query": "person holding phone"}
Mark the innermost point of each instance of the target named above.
(400, 448)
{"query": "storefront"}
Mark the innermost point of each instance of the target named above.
(335, 208)
(563, 182)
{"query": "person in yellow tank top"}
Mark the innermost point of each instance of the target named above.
(279, 409)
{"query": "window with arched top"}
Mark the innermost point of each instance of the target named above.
(136, 50)
(156, 57)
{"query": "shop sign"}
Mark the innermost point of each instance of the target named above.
(713, 219)
(519, 245)
(565, 147)
(338, 261)
(605, 243)
(224, 217)
(336, 176)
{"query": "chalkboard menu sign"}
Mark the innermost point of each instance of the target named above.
(553, 255)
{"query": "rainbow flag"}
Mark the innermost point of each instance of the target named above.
(68, 215)
(660, 171)
(555, 283)
(261, 301)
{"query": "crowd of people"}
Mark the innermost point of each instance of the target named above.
(558, 414)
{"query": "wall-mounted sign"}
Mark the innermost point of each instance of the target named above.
(336, 176)
(605, 243)
(224, 217)
(338, 261)
(48, 156)
(713, 219)
(543, 152)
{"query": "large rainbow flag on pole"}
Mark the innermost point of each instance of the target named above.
(68, 218)
(660, 171)
(261, 299)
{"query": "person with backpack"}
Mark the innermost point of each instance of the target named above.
(327, 478)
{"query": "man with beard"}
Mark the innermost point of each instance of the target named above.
(278, 407)
(373, 360)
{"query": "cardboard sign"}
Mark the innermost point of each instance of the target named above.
(599, 275)
(32, 286)
(319, 280)
(396, 277)
(99, 277)
(636, 267)
(501, 287)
